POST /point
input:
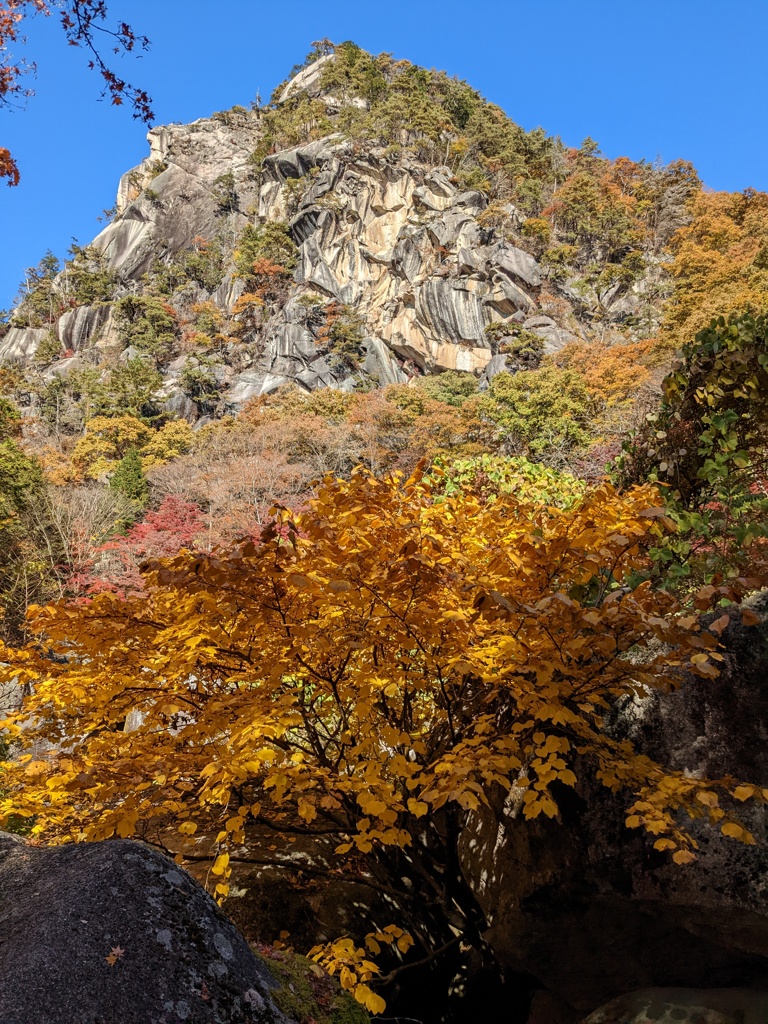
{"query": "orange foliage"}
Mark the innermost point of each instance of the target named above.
(721, 262)
(613, 374)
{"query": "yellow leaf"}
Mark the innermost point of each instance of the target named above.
(734, 831)
(664, 844)
(369, 999)
(707, 798)
(221, 864)
(417, 807)
(126, 827)
(744, 792)
(187, 828)
(683, 857)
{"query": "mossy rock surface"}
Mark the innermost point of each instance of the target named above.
(307, 994)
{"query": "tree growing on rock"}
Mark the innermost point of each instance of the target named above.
(368, 674)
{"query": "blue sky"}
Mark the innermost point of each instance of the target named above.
(657, 78)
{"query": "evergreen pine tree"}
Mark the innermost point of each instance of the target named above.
(129, 479)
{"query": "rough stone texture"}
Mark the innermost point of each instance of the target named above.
(19, 344)
(181, 204)
(685, 1006)
(64, 909)
(307, 80)
(79, 328)
(392, 237)
(588, 908)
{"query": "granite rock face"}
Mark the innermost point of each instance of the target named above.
(67, 912)
(394, 239)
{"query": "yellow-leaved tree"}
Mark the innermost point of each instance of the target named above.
(368, 673)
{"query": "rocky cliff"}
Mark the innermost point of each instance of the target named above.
(431, 274)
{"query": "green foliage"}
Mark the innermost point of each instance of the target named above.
(581, 207)
(493, 475)
(203, 264)
(37, 301)
(10, 419)
(65, 403)
(306, 993)
(130, 481)
(407, 105)
(22, 572)
(586, 215)
(130, 388)
(156, 168)
(20, 482)
(473, 179)
(559, 261)
(198, 380)
(270, 241)
(547, 411)
(511, 339)
(293, 191)
(87, 279)
(346, 334)
(709, 444)
(452, 387)
(209, 319)
(48, 350)
(148, 324)
(224, 193)
(68, 402)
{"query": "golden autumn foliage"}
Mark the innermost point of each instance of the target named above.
(613, 374)
(720, 262)
(389, 654)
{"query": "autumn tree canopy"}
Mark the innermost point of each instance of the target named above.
(84, 23)
(369, 669)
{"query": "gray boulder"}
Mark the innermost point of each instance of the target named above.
(685, 1006)
(113, 933)
(518, 264)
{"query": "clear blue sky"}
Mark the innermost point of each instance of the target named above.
(645, 78)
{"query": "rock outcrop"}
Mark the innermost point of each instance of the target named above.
(396, 240)
(112, 932)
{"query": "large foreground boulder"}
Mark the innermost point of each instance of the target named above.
(113, 933)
